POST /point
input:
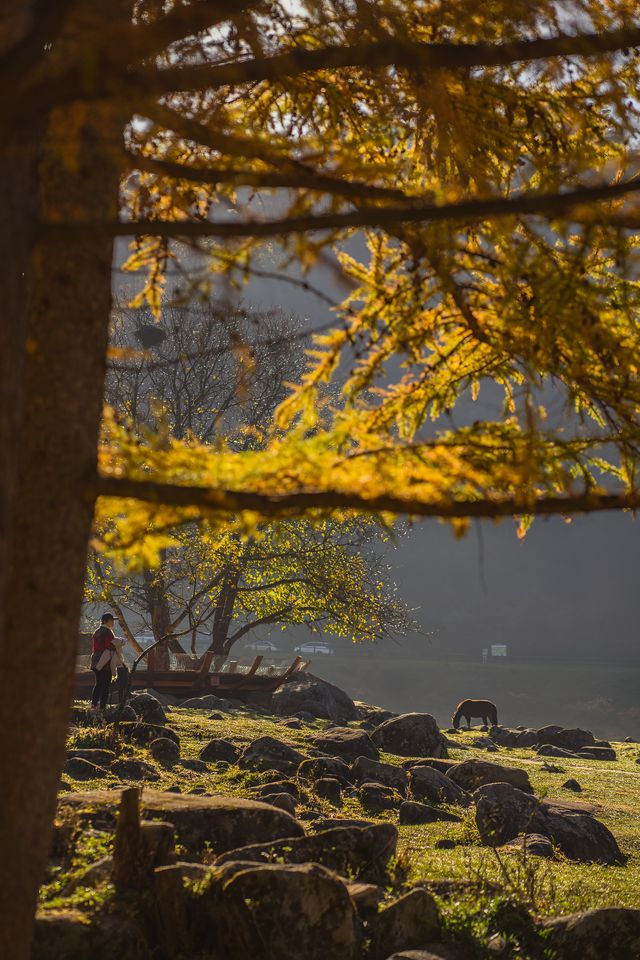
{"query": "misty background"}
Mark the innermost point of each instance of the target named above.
(565, 601)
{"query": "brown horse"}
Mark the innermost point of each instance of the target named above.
(483, 709)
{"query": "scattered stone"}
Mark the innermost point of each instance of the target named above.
(96, 755)
(96, 873)
(361, 852)
(597, 753)
(346, 743)
(427, 783)
(445, 844)
(375, 797)
(372, 714)
(219, 749)
(317, 767)
(164, 750)
(409, 922)
(365, 897)
(411, 812)
(279, 786)
(215, 716)
(314, 697)
(365, 770)
(442, 765)
(267, 753)
(128, 768)
(222, 822)
(532, 843)
(283, 801)
(611, 932)
(551, 767)
(321, 823)
(438, 951)
(277, 912)
(572, 785)
(198, 766)
(503, 812)
(147, 708)
(292, 723)
(548, 750)
(484, 743)
(328, 788)
(471, 774)
(208, 702)
(120, 713)
(568, 739)
(143, 733)
(81, 769)
(174, 788)
(411, 735)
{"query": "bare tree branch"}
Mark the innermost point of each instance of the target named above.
(234, 501)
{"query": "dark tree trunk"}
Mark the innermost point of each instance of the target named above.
(223, 615)
(55, 295)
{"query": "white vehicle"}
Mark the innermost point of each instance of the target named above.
(262, 646)
(145, 640)
(314, 646)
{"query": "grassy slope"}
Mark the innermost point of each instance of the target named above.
(612, 788)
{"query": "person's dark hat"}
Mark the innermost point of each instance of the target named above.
(107, 616)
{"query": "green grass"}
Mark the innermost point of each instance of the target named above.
(611, 790)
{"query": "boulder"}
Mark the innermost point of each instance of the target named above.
(372, 714)
(426, 783)
(471, 774)
(101, 757)
(317, 767)
(147, 708)
(375, 797)
(275, 912)
(365, 770)
(70, 936)
(328, 788)
(438, 951)
(278, 786)
(346, 743)
(164, 750)
(120, 713)
(566, 738)
(409, 922)
(549, 750)
(442, 765)
(608, 932)
(208, 702)
(283, 801)
(526, 738)
(267, 753)
(198, 766)
(572, 785)
(143, 733)
(315, 697)
(361, 852)
(484, 743)
(532, 843)
(129, 768)
(219, 749)
(411, 812)
(503, 813)
(365, 898)
(81, 769)
(597, 753)
(410, 735)
(223, 823)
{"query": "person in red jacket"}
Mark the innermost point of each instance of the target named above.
(102, 640)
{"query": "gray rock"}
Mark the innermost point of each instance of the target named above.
(445, 844)
(223, 823)
(147, 708)
(208, 702)
(279, 786)
(471, 774)
(80, 769)
(426, 783)
(321, 823)
(566, 738)
(438, 951)
(572, 785)
(131, 769)
(346, 743)
(597, 753)
(277, 912)
(219, 749)
(442, 765)
(267, 753)
(532, 843)
(93, 875)
(375, 797)
(198, 766)
(503, 812)
(411, 812)
(283, 801)
(548, 750)
(363, 769)
(317, 767)
(409, 922)
(411, 735)
(143, 733)
(120, 713)
(96, 755)
(315, 697)
(329, 788)
(609, 932)
(164, 750)
(361, 852)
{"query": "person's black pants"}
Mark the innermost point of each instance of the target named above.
(101, 690)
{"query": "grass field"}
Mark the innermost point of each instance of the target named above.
(611, 790)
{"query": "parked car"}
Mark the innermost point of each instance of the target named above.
(314, 646)
(263, 646)
(145, 639)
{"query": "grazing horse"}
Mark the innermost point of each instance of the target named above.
(483, 709)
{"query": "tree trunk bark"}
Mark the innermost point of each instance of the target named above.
(55, 296)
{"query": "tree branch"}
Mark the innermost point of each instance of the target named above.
(187, 21)
(235, 501)
(391, 52)
(268, 618)
(531, 203)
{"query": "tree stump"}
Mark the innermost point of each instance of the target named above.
(128, 860)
